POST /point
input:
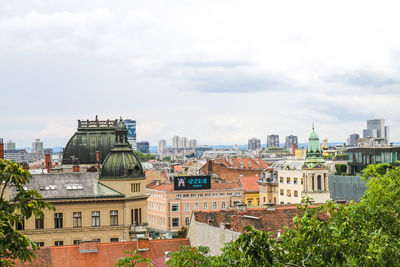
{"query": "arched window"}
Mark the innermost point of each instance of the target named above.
(187, 221)
(319, 182)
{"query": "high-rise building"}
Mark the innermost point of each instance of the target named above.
(290, 141)
(10, 145)
(37, 146)
(162, 145)
(143, 147)
(192, 143)
(131, 126)
(176, 140)
(376, 129)
(184, 143)
(273, 140)
(354, 139)
(254, 144)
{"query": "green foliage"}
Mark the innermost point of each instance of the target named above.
(182, 233)
(27, 203)
(341, 169)
(354, 234)
(327, 156)
(132, 260)
(143, 157)
(191, 256)
(167, 158)
(341, 157)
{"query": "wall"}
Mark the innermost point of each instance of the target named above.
(201, 234)
(346, 187)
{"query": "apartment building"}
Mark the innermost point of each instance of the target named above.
(169, 209)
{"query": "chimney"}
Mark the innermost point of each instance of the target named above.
(210, 167)
(143, 244)
(294, 148)
(75, 165)
(47, 160)
(1, 149)
(89, 246)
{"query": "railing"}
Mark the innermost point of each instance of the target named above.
(96, 123)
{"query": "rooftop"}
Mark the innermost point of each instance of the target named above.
(249, 183)
(214, 186)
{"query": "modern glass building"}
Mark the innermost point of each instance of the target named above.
(131, 126)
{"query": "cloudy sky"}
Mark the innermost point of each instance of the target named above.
(219, 71)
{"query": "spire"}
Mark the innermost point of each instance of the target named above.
(313, 126)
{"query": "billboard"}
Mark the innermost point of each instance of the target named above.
(192, 182)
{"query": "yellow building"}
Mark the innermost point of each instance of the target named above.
(108, 207)
(251, 191)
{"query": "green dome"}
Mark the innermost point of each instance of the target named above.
(121, 162)
(314, 157)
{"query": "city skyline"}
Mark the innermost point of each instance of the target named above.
(221, 80)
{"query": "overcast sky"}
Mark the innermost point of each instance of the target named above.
(219, 71)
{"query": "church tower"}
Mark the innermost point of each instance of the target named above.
(315, 171)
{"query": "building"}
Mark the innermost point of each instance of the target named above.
(1, 149)
(251, 191)
(193, 143)
(360, 157)
(231, 169)
(90, 137)
(176, 141)
(273, 140)
(254, 144)
(10, 145)
(199, 150)
(170, 209)
(37, 146)
(143, 147)
(184, 143)
(131, 126)
(215, 228)
(353, 139)
(290, 141)
(289, 181)
(376, 129)
(162, 145)
(92, 253)
(108, 207)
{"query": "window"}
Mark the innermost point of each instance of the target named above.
(281, 180)
(135, 187)
(115, 239)
(288, 193)
(282, 202)
(288, 180)
(296, 193)
(40, 244)
(77, 219)
(58, 220)
(281, 192)
(223, 205)
(175, 207)
(222, 194)
(76, 242)
(249, 203)
(295, 181)
(200, 195)
(187, 207)
(205, 206)
(264, 199)
(192, 195)
(136, 216)
(185, 195)
(215, 194)
(207, 194)
(215, 206)
(113, 217)
(178, 196)
(95, 218)
(58, 243)
(175, 222)
(20, 225)
(237, 194)
(302, 180)
(196, 206)
(187, 221)
(39, 223)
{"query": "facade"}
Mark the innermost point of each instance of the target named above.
(360, 157)
(37, 146)
(273, 140)
(251, 191)
(131, 126)
(169, 209)
(254, 144)
(290, 141)
(21, 155)
(109, 207)
(90, 137)
(143, 147)
(10, 145)
(353, 140)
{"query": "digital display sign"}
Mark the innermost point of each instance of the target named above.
(192, 182)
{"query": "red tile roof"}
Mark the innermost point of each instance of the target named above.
(247, 163)
(249, 183)
(106, 255)
(214, 186)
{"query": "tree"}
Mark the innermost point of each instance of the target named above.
(191, 256)
(27, 203)
(132, 259)
(143, 157)
(340, 168)
(182, 233)
(167, 158)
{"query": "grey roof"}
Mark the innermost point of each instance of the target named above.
(68, 186)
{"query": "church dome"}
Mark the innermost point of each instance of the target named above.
(121, 162)
(314, 157)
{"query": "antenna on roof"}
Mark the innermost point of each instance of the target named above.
(313, 126)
